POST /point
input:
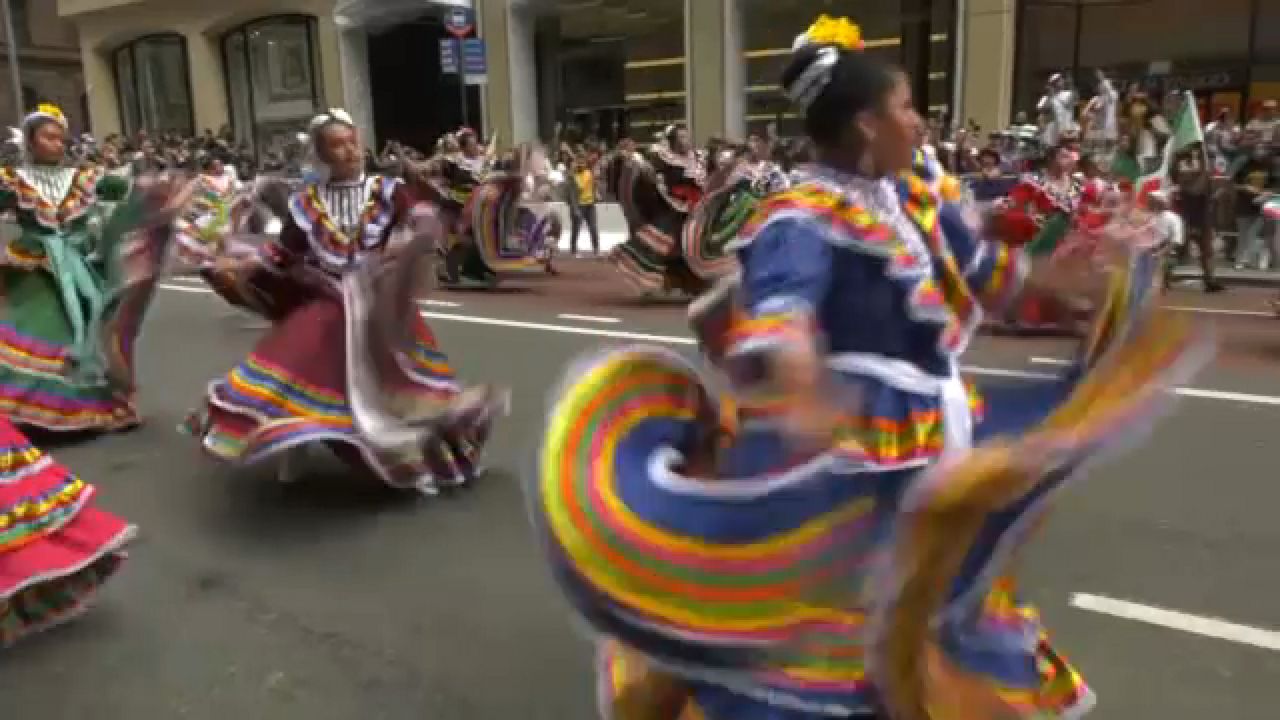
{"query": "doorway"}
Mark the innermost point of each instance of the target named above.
(412, 102)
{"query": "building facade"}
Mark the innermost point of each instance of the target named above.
(48, 62)
(1227, 52)
(606, 67)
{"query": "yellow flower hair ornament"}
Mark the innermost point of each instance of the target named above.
(838, 32)
(46, 111)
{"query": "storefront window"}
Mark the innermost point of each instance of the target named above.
(915, 34)
(612, 69)
(1202, 47)
(1264, 75)
(272, 79)
(153, 85)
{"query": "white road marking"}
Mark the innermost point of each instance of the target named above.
(588, 318)
(563, 329)
(1248, 398)
(1219, 311)
(440, 303)
(1036, 360)
(1228, 396)
(187, 288)
(1174, 620)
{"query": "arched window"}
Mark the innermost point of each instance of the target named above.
(153, 84)
(273, 78)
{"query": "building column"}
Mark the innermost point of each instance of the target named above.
(208, 82)
(357, 90)
(100, 84)
(986, 58)
(550, 75)
(511, 94)
(714, 72)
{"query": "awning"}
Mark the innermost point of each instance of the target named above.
(381, 14)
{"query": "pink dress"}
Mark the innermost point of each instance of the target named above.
(56, 549)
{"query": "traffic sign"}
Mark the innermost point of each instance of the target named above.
(473, 60)
(449, 62)
(459, 22)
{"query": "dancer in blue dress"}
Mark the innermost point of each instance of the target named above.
(829, 536)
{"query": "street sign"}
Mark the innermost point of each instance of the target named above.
(458, 22)
(449, 62)
(474, 65)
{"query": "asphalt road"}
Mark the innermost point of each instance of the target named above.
(336, 600)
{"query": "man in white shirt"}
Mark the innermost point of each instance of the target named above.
(1104, 128)
(1059, 105)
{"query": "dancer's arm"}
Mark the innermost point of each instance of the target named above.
(786, 275)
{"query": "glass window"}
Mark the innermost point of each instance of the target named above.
(620, 67)
(273, 84)
(153, 85)
(890, 28)
(1201, 47)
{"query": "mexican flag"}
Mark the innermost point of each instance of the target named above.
(1186, 132)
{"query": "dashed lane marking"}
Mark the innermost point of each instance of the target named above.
(1175, 620)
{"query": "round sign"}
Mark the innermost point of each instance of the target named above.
(457, 21)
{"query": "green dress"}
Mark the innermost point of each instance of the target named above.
(67, 322)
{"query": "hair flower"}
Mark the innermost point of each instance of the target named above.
(841, 32)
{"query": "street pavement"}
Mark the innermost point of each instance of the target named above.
(334, 599)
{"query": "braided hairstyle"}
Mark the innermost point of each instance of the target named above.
(833, 84)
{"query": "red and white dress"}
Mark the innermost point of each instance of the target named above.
(56, 549)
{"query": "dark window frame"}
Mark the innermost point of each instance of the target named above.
(131, 47)
(242, 30)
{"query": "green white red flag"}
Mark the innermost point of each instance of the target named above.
(1185, 132)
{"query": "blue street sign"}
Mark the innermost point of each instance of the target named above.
(449, 56)
(473, 60)
(459, 22)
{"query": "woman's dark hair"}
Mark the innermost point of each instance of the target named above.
(671, 134)
(205, 161)
(858, 82)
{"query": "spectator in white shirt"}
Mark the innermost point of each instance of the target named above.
(1058, 106)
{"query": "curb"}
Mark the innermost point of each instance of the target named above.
(1232, 277)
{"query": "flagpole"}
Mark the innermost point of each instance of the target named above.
(15, 72)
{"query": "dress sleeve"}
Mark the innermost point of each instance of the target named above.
(786, 274)
(995, 270)
(112, 188)
(282, 252)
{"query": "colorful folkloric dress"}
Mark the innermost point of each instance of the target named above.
(209, 220)
(657, 190)
(730, 199)
(321, 374)
(56, 548)
(733, 575)
(452, 182)
(1038, 214)
(497, 233)
(76, 283)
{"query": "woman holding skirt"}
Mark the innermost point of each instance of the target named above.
(657, 190)
(76, 283)
(348, 362)
(828, 538)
